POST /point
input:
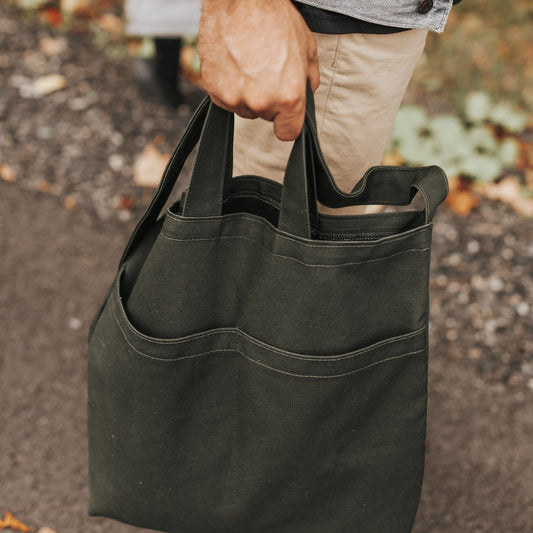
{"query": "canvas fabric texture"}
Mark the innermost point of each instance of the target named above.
(258, 366)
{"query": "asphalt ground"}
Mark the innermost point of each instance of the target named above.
(55, 268)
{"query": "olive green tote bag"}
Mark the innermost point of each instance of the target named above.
(257, 366)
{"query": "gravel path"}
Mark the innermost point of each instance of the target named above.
(82, 141)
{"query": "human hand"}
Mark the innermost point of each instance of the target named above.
(256, 57)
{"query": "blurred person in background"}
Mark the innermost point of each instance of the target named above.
(165, 21)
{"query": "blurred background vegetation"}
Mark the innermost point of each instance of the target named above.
(469, 108)
(487, 45)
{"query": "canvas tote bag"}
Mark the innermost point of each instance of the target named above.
(259, 367)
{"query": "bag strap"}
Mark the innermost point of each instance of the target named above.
(382, 185)
(213, 167)
(385, 185)
(307, 178)
(389, 185)
(170, 175)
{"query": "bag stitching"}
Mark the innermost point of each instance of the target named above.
(309, 359)
(366, 367)
(312, 376)
(319, 265)
(274, 202)
(260, 344)
(349, 355)
(429, 215)
(270, 200)
(281, 235)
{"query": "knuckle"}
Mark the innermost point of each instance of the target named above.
(216, 90)
(292, 100)
(258, 103)
(232, 100)
(229, 99)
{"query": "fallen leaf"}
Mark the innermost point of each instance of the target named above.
(74, 6)
(133, 46)
(46, 530)
(159, 139)
(454, 183)
(126, 202)
(144, 48)
(44, 186)
(51, 46)
(52, 16)
(510, 191)
(529, 178)
(149, 167)
(523, 206)
(393, 158)
(462, 202)
(7, 173)
(111, 24)
(506, 190)
(11, 522)
(525, 156)
(70, 203)
(48, 84)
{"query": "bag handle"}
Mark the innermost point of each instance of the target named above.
(307, 177)
(170, 175)
(385, 185)
(213, 167)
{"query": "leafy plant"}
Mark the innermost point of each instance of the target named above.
(477, 145)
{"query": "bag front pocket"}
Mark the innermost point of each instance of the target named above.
(220, 432)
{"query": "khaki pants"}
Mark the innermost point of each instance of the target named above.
(363, 79)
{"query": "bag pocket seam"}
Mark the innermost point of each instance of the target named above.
(121, 320)
(286, 236)
(264, 365)
(319, 265)
(357, 370)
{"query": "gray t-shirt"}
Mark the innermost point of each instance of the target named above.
(409, 14)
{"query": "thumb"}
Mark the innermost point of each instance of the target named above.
(287, 128)
(289, 120)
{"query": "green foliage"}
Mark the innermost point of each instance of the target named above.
(506, 116)
(462, 146)
(477, 107)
